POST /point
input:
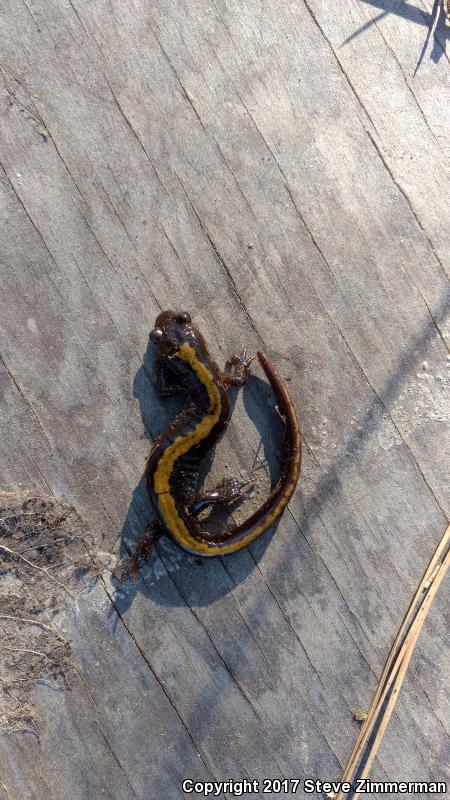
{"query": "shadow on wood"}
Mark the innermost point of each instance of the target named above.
(365, 428)
(435, 22)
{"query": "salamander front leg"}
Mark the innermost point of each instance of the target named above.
(227, 491)
(167, 381)
(239, 369)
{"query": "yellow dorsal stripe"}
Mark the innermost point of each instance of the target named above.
(182, 445)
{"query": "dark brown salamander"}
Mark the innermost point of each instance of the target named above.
(173, 465)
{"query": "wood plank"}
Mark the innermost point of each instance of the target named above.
(291, 192)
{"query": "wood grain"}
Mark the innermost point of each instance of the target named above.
(281, 171)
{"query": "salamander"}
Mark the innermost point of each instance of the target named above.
(172, 469)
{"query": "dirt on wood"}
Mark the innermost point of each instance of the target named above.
(44, 559)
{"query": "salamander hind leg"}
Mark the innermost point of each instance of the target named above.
(227, 491)
(238, 369)
(144, 548)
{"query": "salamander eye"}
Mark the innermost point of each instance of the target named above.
(156, 335)
(184, 317)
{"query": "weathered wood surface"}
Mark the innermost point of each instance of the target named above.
(278, 169)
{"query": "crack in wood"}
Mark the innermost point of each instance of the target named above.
(161, 685)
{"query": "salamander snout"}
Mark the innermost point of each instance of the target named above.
(172, 318)
(171, 328)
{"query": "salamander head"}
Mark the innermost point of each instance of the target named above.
(172, 330)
